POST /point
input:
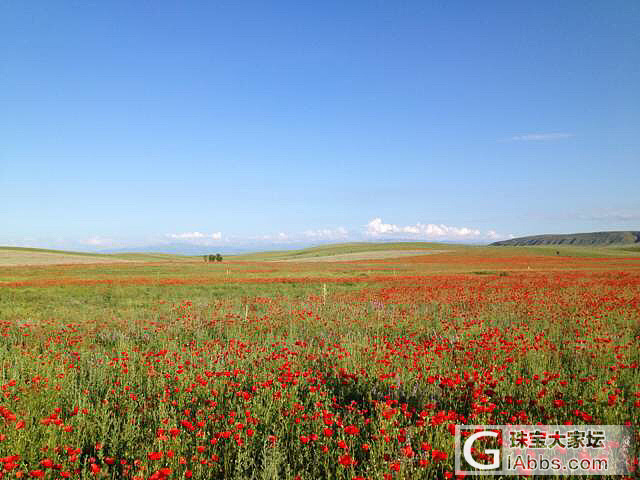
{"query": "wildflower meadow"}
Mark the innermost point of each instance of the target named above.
(252, 369)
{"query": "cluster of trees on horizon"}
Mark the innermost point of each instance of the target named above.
(212, 258)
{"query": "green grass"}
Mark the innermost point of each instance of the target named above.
(629, 249)
(43, 257)
(344, 248)
(340, 249)
(47, 250)
(155, 257)
(26, 253)
(571, 250)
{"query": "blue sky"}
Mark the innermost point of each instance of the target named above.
(241, 123)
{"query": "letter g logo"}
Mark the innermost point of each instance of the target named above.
(466, 451)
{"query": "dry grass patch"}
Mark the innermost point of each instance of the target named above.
(374, 255)
(13, 258)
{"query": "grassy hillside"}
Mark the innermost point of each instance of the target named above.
(577, 239)
(48, 250)
(358, 251)
(344, 252)
(12, 256)
(343, 249)
(155, 257)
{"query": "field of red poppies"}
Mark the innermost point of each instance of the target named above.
(268, 370)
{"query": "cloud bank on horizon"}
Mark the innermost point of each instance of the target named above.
(195, 236)
(377, 228)
(374, 230)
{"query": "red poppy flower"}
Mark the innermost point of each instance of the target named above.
(346, 460)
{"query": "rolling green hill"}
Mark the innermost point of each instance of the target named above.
(578, 245)
(14, 256)
(576, 239)
(347, 251)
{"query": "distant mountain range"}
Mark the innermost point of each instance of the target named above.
(586, 239)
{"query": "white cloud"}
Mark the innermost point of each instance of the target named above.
(98, 242)
(278, 237)
(327, 233)
(377, 228)
(540, 137)
(195, 236)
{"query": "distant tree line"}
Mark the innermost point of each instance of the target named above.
(212, 258)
